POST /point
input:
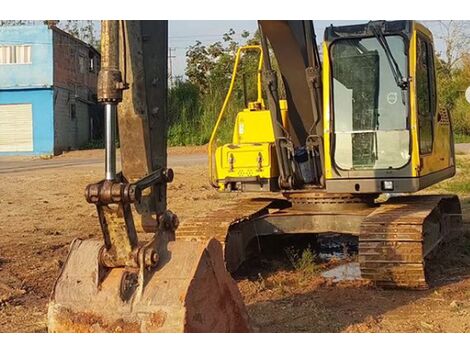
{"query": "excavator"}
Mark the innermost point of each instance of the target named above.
(343, 151)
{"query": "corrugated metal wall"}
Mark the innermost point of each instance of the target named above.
(43, 116)
(16, 128)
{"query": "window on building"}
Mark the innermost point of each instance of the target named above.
(91, 62)
(425, 94)
(15, 54)
(91, 66)
(82, 63)
(73, 111)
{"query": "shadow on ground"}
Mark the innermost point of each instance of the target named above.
(284, 300)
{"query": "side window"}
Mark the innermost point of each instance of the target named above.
(426, 94)
(73, 111)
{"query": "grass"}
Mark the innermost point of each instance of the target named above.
(93, 144)
(304, 261)
(461, 138)
(460, 183)
(193, 116)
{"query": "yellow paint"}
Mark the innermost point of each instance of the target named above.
(252, 152)
(246, 160)
(441, 156)
(415, 162)
(211, 147)
(326, 112)
(253, 127)
(284, 113)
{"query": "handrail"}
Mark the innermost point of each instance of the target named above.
(227, 98)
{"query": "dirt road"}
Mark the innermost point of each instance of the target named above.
(10, 165)
(42, 210)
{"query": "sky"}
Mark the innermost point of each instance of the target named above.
(182, 34)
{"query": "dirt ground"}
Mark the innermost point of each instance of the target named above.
(41, 212)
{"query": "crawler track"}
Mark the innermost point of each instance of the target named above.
(397, 237)
(217, 223)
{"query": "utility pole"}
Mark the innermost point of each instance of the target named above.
(170, 66)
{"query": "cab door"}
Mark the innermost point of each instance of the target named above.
(433, 132)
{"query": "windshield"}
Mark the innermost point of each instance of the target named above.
(370, 109)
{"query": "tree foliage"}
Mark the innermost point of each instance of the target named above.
(453, 71)
(83, 30)
(456, 37)
(211, 66)
(194, 104)
(15, 22)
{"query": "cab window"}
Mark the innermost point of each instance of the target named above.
(426, 93)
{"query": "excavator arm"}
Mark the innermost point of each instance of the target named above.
(295, 49)
(120, 283)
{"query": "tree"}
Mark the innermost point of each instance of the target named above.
(15, 22)
(451, 64)
(210, 67)
(83, 30)
(456, 38)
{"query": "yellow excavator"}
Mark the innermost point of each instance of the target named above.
(364, 124)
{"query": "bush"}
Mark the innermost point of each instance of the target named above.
(461, 116)
(193, 114)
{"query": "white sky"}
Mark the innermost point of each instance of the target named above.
(182, 34)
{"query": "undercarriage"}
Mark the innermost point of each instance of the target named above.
(396, 236)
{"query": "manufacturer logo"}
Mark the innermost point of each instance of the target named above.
(392, 98)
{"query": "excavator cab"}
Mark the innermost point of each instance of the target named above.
(384, 131)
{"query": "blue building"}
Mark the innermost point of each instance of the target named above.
(47, 91)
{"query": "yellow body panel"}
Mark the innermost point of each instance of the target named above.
(247, 160)
(326, 113)
(252, 152)
(253, 127)
(413, 108)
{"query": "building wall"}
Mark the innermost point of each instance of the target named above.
(71, 130)
(43, 121)
(39, 73)
(73, 68)
(74, 79)
(62, 74)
